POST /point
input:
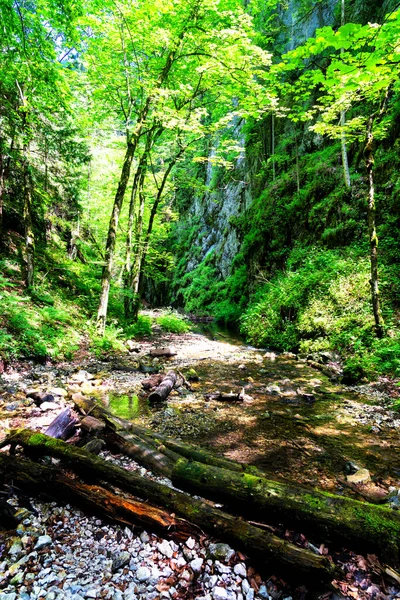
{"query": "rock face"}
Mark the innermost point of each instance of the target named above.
(227, 196)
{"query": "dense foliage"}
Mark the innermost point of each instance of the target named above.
(205, 156)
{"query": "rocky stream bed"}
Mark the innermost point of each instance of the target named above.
(295, 424)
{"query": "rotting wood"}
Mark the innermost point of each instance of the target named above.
(64, 425)
(92, 425)
(29, 476)
(165, 387)
(319, 513)
(263, 546)
(148, 456)
(189, 451)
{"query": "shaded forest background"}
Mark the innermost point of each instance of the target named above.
(236, 202)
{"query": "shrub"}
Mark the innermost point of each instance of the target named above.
(141, 328)
(173, 322)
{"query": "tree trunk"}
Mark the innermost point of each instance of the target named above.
(133, 248)
(365, 526)
(262, 545)
(273, 146)
(373, 238)
(29, 235)
(345, 161)
(112, 235)
(138, 284)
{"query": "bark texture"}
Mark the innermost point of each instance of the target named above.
(262, 545)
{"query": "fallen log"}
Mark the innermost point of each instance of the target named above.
(64, 425)
(157, 352)
(263, 546)
(162, 391)
(147, 455)
(337, 518)
(364, 526)
(29, 476)
(187, 450)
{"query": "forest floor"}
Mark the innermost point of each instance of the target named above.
(295, 424)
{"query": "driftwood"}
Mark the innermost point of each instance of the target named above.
(64, 425)
(162, 391)
(156, 352)
(262, 545)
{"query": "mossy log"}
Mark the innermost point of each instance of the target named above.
(154, 440)
(335, 518)
(149, 455)
(29, 476)
(188, 450)
(263, 546)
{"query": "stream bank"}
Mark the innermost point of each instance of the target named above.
(295, 424)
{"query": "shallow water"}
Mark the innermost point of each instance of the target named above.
(297, 424)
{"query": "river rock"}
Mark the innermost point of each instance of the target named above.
(16, 547)
(43, 541)
(143, 574)
(165, 549)
(360, 476)
(58, 391)
(221, 551)
(219, 593)
(240, 570)
(45, 406)
(120, 560)
(196, 564)
(190, 543)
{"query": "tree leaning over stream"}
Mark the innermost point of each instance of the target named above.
(163, 69)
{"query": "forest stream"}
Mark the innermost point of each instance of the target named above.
(293, 423)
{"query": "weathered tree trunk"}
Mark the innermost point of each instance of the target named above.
(133, 247)
(29, 476)
(63, 426)
(27, 219)
(345, 160)
(261, 545)
(373, 238)
(112, 235)
(138, 283)
(144, 453)
(164, 388)
(189, 451)
(337, 518)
